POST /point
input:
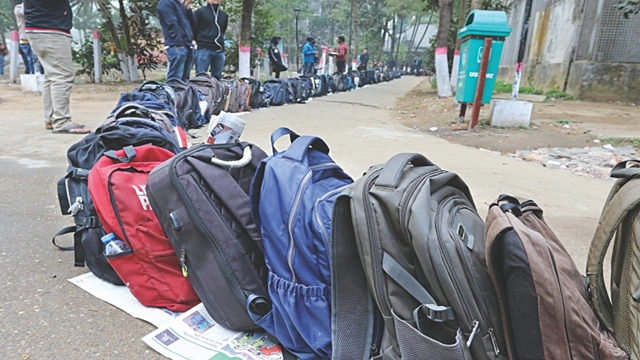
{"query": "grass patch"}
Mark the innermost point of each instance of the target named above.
(502, 87)
(635, 142)
(558, 94)
(564, 122)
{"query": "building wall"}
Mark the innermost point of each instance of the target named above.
(584, 47)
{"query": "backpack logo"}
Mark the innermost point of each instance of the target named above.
(141, 191)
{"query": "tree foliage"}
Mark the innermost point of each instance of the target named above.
(628, 7)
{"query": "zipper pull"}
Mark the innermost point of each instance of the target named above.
(474, 331)
(494, 341)
(183, 262)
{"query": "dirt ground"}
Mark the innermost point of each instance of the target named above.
(422, 109)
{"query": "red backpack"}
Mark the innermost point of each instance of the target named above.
(151, 270)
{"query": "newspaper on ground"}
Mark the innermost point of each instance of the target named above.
(190, 335)
(194, 335)
(120, 297)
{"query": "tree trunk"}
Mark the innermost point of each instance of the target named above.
(354, 26)
(245, 30)
(442, 41)
(383, 39)
(244, 62)
(424, 33)
(462, 16)
(393, 36)
(476, 5)
(399, 41)
(414, 33)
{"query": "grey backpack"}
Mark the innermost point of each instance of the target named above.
(619, 223)
(409, 275)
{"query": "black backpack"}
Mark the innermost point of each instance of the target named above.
(307, 85)
(161, 91)
(188, 105)
(73, 191)
(296, 91)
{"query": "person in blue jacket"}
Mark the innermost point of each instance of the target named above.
(177, 22)
(309, 52)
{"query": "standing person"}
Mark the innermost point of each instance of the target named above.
(3, 52)
(25, 48)
(391, 64)
(309, 52)
(341, 58)
(176, 20)
(363, 59)
(48, 26)
(275, 58)
(211, 25)
(417, 65)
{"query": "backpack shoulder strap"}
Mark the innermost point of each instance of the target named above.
(353, 310)
(624, 197)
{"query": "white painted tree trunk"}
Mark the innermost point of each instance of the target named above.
(97, 57)
(133, 68)
(244, 62)
(14, 52)
(442, 73)
(124, 65)
(454, 70)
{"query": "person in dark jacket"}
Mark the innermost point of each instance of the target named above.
(176, 19)
(417, 65)
(48, 27)
(275, 58)
(211, 25)
(363, 59)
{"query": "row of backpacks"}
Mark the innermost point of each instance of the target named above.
(395, 265)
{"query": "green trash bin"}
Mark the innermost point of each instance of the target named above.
(480, 24)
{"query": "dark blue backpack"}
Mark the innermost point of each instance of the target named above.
(276, 92)
(292, 196)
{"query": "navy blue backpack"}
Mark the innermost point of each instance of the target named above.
(292, 196)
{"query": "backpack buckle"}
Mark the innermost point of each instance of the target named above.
(435, 313)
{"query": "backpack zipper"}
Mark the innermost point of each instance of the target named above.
(294, 210)
(325, 236)
(408, 196)
(292, 216)
(564, 311)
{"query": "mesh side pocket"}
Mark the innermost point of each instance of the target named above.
(416, 346)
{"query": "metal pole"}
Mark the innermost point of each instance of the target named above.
(14, 50)
(515, 89)
(477, 101)
(97, 57)
(297, 46)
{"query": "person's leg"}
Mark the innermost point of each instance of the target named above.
(25, 57)
(55, 55)
(277, 74)
(176, 58)
(1, 64)
(39, 47)
(29, 52)
(203, 60)
(188, 64)
(217, 64)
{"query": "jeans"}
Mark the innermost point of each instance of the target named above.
(206, 59)
(307, 68)
(180, 63)
(27, 58)
(342, 66)
(54, 52)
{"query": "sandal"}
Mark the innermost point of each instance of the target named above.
(48, 126)
(73, 129)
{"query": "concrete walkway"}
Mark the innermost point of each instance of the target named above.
(43, 316)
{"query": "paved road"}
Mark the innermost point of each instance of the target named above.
(43, 316)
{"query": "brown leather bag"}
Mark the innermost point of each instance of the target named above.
(542, 294)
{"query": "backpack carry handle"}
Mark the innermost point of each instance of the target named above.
(246, 158)
(280, 132)
(393, 169)
(301, 146)
(129, 154)
(621, 170)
